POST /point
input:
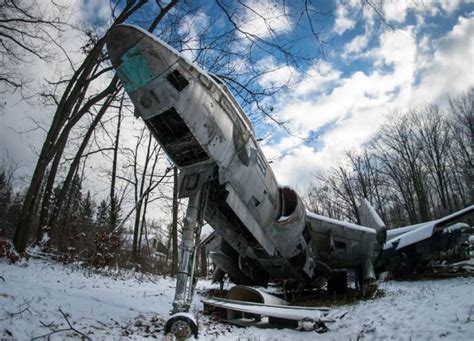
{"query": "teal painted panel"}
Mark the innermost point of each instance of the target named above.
(134, 70)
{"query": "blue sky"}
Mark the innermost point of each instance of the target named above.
(423, 53)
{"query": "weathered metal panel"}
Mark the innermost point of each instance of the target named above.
(234, 201)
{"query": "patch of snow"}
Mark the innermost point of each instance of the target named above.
(344, 224)
(423, 232)
(455, 227)
(123, 304)
(394, 233)
(419, 234)
(45, 238)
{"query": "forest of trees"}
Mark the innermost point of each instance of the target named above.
(418, 167)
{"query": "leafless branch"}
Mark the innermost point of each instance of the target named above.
(71, 328)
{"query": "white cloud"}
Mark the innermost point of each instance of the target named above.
(449, 68)
(360, 42)
(354, 107)
(24, 147)
(274, 75)
(343, 21)
(295, 168)
(394, 70)
(190, 29)
(357, 44)
(20, 115)
(264, 18)
(286, 145)
(396, 10)
(239, 65)
(406, 72)
(449, 6)
(100, 10)
(317, 79)
(403, 59)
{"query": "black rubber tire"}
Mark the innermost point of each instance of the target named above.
(181, 319)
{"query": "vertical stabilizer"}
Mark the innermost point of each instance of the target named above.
(370, 218)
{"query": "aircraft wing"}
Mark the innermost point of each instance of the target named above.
(408, 235)
(340, 244)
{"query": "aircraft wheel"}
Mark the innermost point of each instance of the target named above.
(182, 326)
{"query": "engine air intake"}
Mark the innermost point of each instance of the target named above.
(289, 201)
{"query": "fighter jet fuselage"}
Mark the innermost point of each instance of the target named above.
(203, 130)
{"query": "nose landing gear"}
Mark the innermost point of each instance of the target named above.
(182, 324)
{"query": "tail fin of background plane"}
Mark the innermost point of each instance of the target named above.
(370, 218)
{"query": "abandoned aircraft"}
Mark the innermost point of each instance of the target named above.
(409, 250)
(265, 230)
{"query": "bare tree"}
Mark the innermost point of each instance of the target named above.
(26, 32)
(419, 166)
(435, 137)
(462, 126)
(9, 196)
(72, 105)
(113, 198)
(333, 194)
(401, 153)
(369, 180)
(321, 199)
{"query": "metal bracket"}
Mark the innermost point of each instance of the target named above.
(191, 179)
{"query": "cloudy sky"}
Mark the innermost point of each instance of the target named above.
(422, 53)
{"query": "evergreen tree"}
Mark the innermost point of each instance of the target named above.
(87, 211)
(102, 216)
(5, 194)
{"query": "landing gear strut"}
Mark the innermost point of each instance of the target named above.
(181, 323)
(369, 282)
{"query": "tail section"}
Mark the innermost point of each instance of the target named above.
(370, 218)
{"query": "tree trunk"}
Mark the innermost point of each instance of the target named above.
(67, 114)
(75, 163)
(137, 233)
(113, 199)
(46, 201)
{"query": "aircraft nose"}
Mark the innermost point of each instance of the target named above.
(119, 40)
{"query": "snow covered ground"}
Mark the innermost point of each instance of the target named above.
(39, 297)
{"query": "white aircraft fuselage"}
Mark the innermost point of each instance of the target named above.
(203, 130)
